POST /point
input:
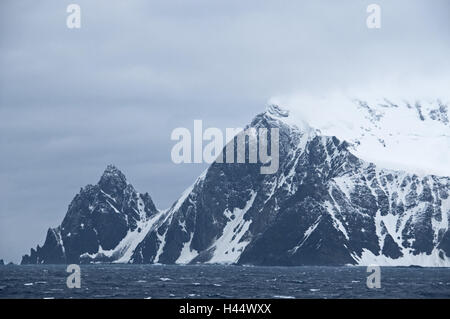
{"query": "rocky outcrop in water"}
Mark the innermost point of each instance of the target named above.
(98, 219)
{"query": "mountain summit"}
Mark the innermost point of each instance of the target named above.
(100, 219)
(275, 110)
(324, 206)
(113, 181)
(392, 133)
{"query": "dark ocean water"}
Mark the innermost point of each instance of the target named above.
(210, 281)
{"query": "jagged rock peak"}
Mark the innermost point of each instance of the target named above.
(273, 116)
(275, 110)
(112, 170)
(112, 179)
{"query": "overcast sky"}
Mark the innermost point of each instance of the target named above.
(74, 100)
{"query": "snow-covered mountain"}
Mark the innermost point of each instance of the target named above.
(324, 206)
(394, 133)
(106, 220)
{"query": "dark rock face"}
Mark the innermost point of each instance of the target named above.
(2, 263)
(98, 218)
(323, 206)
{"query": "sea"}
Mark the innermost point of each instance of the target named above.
(220, 281)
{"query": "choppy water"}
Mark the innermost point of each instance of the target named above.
(211, 281)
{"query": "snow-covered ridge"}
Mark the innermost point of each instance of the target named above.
(324, 206)
(402, 134)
